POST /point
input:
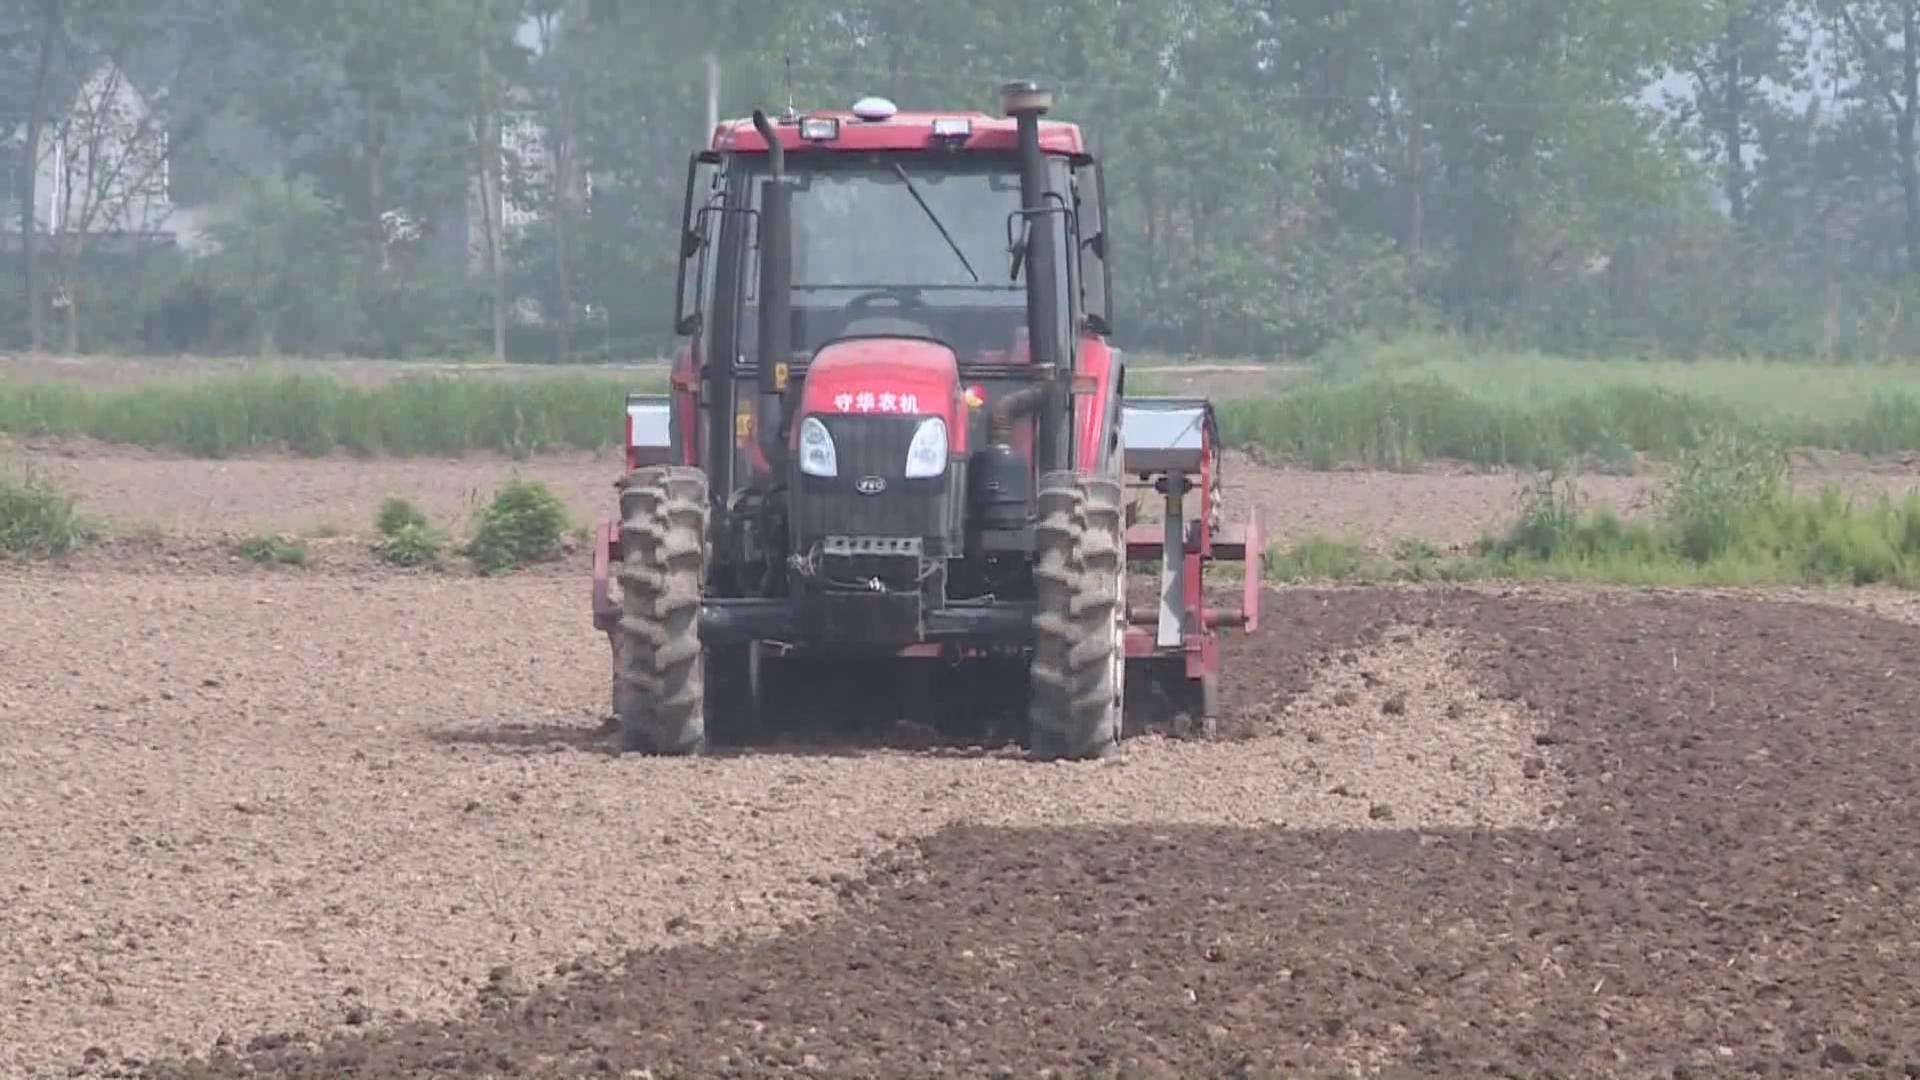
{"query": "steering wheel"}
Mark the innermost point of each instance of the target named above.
(905, 297)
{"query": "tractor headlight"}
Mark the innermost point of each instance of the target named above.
(817, 456)
(927, 455)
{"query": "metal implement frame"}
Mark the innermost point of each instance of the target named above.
(1172, 444)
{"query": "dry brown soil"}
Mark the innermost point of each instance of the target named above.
(138, 490)
(263, 824)
(244, 803)
(354, 822)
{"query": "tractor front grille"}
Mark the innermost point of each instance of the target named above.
(872, 454)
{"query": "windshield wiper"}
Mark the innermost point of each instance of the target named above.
(914, 191)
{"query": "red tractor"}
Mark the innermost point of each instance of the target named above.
(896, 440)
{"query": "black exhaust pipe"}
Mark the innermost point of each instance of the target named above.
(1026, 102)
(776, 300)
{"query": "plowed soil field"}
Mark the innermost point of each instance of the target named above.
(349, 821)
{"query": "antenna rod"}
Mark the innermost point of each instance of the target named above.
(713, 95)
(791, 111)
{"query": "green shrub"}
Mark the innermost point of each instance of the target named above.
(396, 514)
(407, 538)
(1550, 515)
(523, 524)
(1845, 548)
(412, 545)
(1721, 491)
(38, 520)
(1726, 518)
(273, 550)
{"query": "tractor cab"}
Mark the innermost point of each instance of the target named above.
(902, 226)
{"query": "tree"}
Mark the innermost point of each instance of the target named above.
(1279, 173)
(363, 95)
(1753, 51)
(557, 89)
(489, 41)
(1878, 53)
(283, 252)
(632, 89)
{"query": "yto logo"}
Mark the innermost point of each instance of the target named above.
(870, 485)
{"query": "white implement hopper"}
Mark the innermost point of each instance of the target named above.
(1165, 435)
(650, 433)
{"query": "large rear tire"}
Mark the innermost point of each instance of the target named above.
(663, 529)
(1079, 663)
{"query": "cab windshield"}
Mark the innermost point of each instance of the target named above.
(901, 243)
(862, 227)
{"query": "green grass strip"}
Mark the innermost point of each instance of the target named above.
(316, 415)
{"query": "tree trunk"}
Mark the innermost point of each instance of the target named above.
(29, 206)
(562, 218)
(1910, 91)
(560, 152)
(376, 196)
(1733, 130)
(1150, 202)
(66, 252)
(487, 149)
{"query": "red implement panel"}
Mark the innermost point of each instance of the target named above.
(606, 612)
(1252, 540)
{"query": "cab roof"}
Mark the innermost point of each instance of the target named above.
(901, 131)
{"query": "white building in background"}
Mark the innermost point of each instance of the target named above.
(103, 162)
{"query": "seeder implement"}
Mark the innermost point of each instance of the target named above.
(1172, 448)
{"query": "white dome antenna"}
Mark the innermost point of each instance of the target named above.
(874, 108)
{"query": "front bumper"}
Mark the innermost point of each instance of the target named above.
(860, 620)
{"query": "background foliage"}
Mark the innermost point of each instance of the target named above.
(1733, 177)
